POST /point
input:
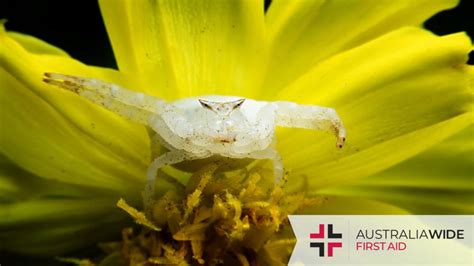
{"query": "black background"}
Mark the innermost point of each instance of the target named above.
(77, 27)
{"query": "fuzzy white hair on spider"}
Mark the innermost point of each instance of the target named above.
(201, 127)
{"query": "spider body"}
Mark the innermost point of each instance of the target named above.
(202, 127)
(239, 129)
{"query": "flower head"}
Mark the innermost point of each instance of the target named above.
(399, 89)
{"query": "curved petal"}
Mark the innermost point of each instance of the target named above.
(45, 217)
(59, 239)
(305, 33)
(438, 181)
(18, 185)
(35, 45)
(397, 96)
(57, 232)
(176, 49)
(58, 135)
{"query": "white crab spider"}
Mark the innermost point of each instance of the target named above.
(200, 127)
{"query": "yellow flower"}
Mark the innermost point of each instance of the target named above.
(399, 89)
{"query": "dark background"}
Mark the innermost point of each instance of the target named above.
(76, 26)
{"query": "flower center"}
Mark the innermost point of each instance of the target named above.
(215, 219)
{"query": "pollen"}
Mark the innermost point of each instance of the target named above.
(215, 219)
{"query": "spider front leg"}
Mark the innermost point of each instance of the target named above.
(290, 114)
(135, 106)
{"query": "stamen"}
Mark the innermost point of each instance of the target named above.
(216, 219)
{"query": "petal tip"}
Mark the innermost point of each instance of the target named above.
(3, 21)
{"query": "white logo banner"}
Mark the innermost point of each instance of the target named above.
(383, 239)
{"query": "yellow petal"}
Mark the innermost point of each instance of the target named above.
(17, 185)
(52, 235)
(175, 49)
(397, 96)
(35, 45)
(46, 217)
(304, 33)
(62, 209)
(58, 135)
(335, 205)
(437, 181)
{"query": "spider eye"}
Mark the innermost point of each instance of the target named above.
(205, 104)
(238, 103)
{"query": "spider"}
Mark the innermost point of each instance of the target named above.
(201, 127)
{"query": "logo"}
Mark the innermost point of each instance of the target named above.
(375, 239)
(330, 244)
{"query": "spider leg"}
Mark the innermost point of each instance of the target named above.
(169, 158)
(290, 114)
(132, 105)
(272, 154)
